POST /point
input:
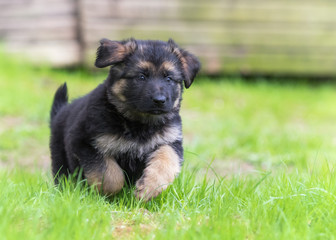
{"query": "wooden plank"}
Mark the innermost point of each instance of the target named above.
(270, 64)
(38, 22)
(246, 51)
(41, 30)
(198, 33)
(216, 3)
(277, 64)
(176, 25)
(39, 34)
(228, 61)
(10, 3)
(32, 10)
(217, 11)
(58, 53)
(4, 3)
(229, 17)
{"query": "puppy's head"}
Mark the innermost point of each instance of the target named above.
(146, 78)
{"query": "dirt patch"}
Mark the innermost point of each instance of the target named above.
(127, 229)
(122, 230)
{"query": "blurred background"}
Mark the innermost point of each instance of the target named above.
(233, 124)
(248, 37)
(254, 120)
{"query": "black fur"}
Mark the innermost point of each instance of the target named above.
(137, 107)
(60, 99)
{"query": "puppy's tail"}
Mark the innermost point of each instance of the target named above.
(60, 100)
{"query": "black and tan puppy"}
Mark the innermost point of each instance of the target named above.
(129, 127)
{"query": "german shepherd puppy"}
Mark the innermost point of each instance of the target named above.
(128, 128)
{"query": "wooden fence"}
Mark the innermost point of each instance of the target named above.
(229, 36)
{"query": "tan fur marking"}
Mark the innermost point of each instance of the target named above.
(161, 171)
(141, 48)
(109, 144)
(109, 182)
(168, 66)
(146, 65)
(118, 89)
(182, 59)
(177, 101)
(121, 50)
(119, 54)
(131, 46)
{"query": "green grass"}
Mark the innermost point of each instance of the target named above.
(259, 165)
(295, 206)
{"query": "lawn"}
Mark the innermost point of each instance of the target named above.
(259, 164)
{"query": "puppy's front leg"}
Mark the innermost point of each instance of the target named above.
(162, 167)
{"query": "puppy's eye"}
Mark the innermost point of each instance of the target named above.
(141, 77)
(168, 79)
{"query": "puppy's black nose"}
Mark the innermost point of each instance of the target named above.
(159, 99)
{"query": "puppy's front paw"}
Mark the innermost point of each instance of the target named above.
(149, 187)
(161, 171)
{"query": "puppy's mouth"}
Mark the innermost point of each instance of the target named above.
(156, 112)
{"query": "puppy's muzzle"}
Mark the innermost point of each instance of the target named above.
(159, 104)
(159, 100)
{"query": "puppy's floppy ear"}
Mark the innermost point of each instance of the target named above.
(190, 64)
(112, 52)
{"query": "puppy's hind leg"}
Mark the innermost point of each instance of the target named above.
(109, 178)
(59, 165)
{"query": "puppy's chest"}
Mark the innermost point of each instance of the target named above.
(134, 144)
